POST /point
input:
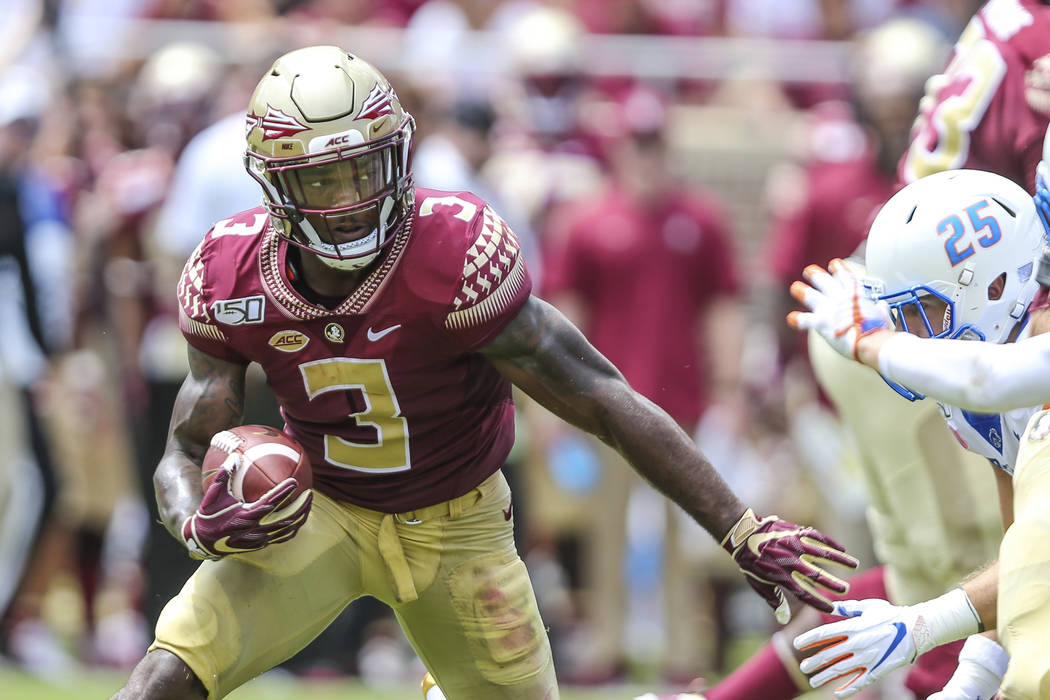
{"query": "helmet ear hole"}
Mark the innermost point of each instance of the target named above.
(995, 289)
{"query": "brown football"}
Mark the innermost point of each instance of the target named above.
(268, 458)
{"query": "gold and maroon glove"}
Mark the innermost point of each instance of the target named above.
(777, 555)
(224, 525)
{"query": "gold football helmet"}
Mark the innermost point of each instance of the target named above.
(329, 142)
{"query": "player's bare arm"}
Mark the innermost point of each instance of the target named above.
(211, 399)
(548, 357)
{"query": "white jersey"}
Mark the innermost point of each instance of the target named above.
(994, 436)
(979, 376)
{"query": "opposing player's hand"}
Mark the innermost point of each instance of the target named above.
(982, 665)
(223, 525)
(876, 638)
(840, 308)
(777, 555)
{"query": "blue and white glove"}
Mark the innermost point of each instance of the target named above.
(879, 637)
(982, 665)
(840, 308)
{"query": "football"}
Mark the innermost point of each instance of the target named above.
(268, 458)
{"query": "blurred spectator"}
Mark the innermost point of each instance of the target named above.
(350, 12)
(649, 265)
(208, 181)
(124, 294)
(452, 158)
(34, 245)
(544, 155)
(442, 65)
(219, 10)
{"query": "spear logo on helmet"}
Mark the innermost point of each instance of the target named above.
(275, 124)
(377, 103)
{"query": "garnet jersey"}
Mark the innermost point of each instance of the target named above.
(831, 207)
(989, 109)
(385, 391)
(648, 275)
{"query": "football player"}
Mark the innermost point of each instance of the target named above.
(952, 255)
(391, 321)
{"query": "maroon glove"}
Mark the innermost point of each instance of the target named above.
(223, 525)
(775, 554)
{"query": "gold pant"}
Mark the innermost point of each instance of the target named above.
(1024, 570)
(450, 572)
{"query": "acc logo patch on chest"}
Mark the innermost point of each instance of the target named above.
(237, 312)
(289, 341)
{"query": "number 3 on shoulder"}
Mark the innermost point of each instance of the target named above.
(466, 212)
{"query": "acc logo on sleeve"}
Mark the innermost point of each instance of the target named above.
(289, 341)
(237, 312)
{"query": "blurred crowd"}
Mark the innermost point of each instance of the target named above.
(665, 197)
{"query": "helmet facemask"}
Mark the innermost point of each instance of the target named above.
(344, 204)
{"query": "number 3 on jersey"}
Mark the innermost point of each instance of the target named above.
(954, 104)
(389, 453)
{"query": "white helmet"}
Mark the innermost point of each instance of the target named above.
(329, 142)
(953, 235)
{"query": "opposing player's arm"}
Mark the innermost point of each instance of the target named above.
(541, 352)
(211, 399)
(547, 357)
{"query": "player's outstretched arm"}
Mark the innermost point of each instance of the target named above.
(547, 357)
(986, 377)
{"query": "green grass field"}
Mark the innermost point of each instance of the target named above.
(279, 685)
(15, 685)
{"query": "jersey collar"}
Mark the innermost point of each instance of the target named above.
(273, 256)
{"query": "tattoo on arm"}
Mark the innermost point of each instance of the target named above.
(211, 399)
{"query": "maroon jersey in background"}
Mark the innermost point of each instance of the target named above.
(647, 276)
(828, 217)
(990, 107)
(385, 391)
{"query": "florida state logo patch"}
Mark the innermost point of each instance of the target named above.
(335, 333)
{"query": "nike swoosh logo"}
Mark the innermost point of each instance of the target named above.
(376, 335)
(901, 631)
(509, 512)
(757, 540)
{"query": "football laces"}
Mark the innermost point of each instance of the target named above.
(226, 441)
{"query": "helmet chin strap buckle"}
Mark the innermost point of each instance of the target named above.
(1018, 311)
(966, 275)
(294, 214)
